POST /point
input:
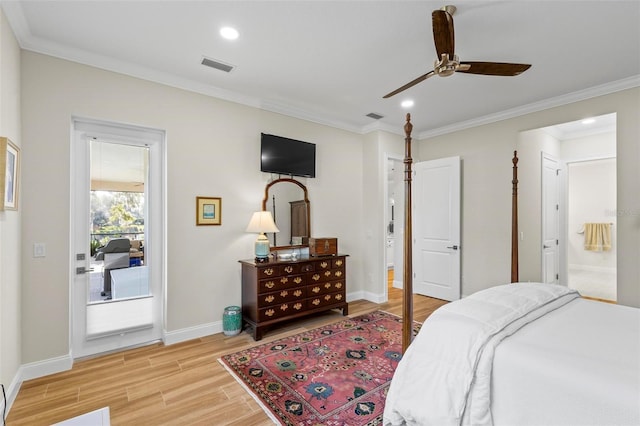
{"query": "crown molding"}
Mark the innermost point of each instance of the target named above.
(581, 95)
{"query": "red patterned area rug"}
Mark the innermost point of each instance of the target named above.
(338, 374)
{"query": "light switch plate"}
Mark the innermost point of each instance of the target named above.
(39, 250)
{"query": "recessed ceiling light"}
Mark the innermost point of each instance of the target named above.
(229, 33)
(407, 104)
(588, 121)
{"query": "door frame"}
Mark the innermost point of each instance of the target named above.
(155, 247)
(399, 212)
(560, 213)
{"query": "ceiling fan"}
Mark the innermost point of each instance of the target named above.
(448, 62)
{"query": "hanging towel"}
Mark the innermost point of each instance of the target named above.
(597, 236)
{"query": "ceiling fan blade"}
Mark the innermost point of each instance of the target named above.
(410, 84)
(494, 68)
(443, 35)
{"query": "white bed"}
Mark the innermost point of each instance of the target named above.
(521, 354)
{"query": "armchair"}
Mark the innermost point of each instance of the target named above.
(115, 255)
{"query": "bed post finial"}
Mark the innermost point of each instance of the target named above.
(514, 220)
(408, 127)
(407, 285)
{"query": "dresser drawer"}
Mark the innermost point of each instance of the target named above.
(269, 272)
(324, 276)
(323, 288)
(278, 297)
(282, 310)
(325, 299)
(324, 264)
(281, 283)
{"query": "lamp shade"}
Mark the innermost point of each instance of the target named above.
(262, 222)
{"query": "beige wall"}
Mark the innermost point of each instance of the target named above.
(212, 150)
(486, 153)
(10, 221)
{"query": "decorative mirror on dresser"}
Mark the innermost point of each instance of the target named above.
(288, 201)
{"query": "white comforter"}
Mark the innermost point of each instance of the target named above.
(444, 378)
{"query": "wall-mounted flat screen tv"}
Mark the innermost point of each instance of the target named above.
(286, 156)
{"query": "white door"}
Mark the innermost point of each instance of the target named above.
(436, 228)
(550, 220)
(129, 311)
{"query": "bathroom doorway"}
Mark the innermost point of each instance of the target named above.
(585, 151)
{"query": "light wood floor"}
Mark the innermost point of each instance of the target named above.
(181, 384)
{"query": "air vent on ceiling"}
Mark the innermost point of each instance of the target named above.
(217, 64)
(375, 116)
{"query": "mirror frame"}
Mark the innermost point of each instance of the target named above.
(306, 200)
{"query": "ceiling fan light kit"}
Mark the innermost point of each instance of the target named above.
(449, 63)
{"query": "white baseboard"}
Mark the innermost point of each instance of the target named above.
(366, 295)
(356, 295)
(44, 368)
(33, 371)
(190, 333)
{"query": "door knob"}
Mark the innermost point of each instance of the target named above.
(453, 247)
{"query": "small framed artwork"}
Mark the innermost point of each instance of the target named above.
(9, 173)
(208, 211)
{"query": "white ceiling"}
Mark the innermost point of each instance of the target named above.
(332, 61)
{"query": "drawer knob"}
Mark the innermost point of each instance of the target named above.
(338, 297)
(297, 293)
(327, 285)
(327, 273)
(268, 271)
(270, 312)
(284, 307)
(315, 277)
(338, 262)
(297, 280)
(316, 290)
(338, 273)
(288, 269)
(284, 280)
(324, 264)
(297, 306)
(269, 299)
(284, 293)
(270, 284)
(315, 302)
(327, 297)
(338, 285)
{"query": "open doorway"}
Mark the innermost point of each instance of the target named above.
(585, 151)
(394, 219)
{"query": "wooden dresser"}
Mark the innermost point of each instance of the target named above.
(281, 290)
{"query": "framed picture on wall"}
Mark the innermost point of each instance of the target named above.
(9, 173)
(208, 211)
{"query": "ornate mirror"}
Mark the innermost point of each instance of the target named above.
(288, 202)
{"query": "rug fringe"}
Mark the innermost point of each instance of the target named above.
(250, 392)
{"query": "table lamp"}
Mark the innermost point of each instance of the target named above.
(260, 223)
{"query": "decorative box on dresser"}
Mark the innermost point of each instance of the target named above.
(281, 290)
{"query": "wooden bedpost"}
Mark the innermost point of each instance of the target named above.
(407, 285)
(514, 220)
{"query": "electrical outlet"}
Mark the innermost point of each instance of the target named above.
(39, 250)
